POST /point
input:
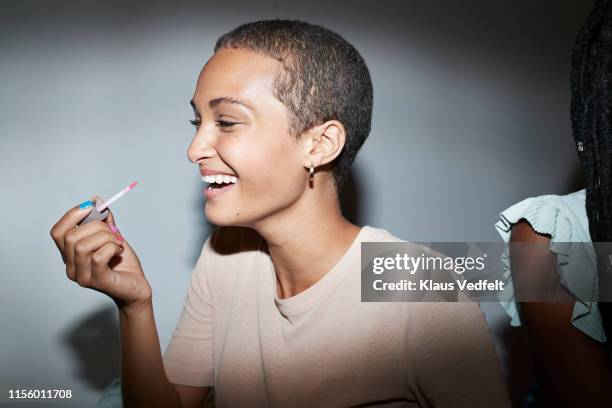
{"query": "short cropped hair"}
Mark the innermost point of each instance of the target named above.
(323, 78)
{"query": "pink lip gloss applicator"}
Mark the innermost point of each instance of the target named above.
(116, 197)
(100, 210)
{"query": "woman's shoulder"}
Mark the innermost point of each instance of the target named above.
(376, 234)
(562, 217)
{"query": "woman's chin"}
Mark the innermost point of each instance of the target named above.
(222, 217)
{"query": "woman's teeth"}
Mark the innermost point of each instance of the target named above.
(220, 179)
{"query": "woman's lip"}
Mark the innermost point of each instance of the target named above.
(209, 172)
(214, 192)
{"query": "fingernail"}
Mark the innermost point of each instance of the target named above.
(119, 237)
(85, 204)
(113, 228)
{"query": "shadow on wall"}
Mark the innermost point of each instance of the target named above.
(94, 342)
(575, 181)
(350, 198)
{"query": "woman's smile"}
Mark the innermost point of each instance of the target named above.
(218, 184)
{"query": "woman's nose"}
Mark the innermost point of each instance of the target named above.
(201, 146)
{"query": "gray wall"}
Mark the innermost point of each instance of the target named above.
(471, 114)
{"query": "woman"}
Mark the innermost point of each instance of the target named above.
(273, 313)
(568, 338)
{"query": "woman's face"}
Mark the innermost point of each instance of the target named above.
(250, 140)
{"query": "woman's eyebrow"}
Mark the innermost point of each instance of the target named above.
(222, 99)
(227, 99)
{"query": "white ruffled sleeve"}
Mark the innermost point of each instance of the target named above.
(576, 264)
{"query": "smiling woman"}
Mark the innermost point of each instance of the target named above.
(273, 316)
(274, 297)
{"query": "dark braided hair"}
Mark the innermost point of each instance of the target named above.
(591, 77)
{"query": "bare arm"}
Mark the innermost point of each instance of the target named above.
(143, 379)
(572, 368)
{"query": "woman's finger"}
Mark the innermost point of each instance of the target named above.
(69, 221)
(72, 237)
(84, 250)
(68, 252)
(99, 265)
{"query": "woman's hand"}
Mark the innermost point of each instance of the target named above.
(100, 259)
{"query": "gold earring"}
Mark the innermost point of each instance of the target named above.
(311, 172)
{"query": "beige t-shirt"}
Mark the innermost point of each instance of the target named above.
(323, 347)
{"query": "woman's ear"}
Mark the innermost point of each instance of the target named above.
(324, 143)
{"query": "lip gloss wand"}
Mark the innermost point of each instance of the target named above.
(100, 212)
(116, 197)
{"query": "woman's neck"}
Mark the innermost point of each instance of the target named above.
(305, 242)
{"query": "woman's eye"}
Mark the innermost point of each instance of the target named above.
(221, 123)
(225, 124)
